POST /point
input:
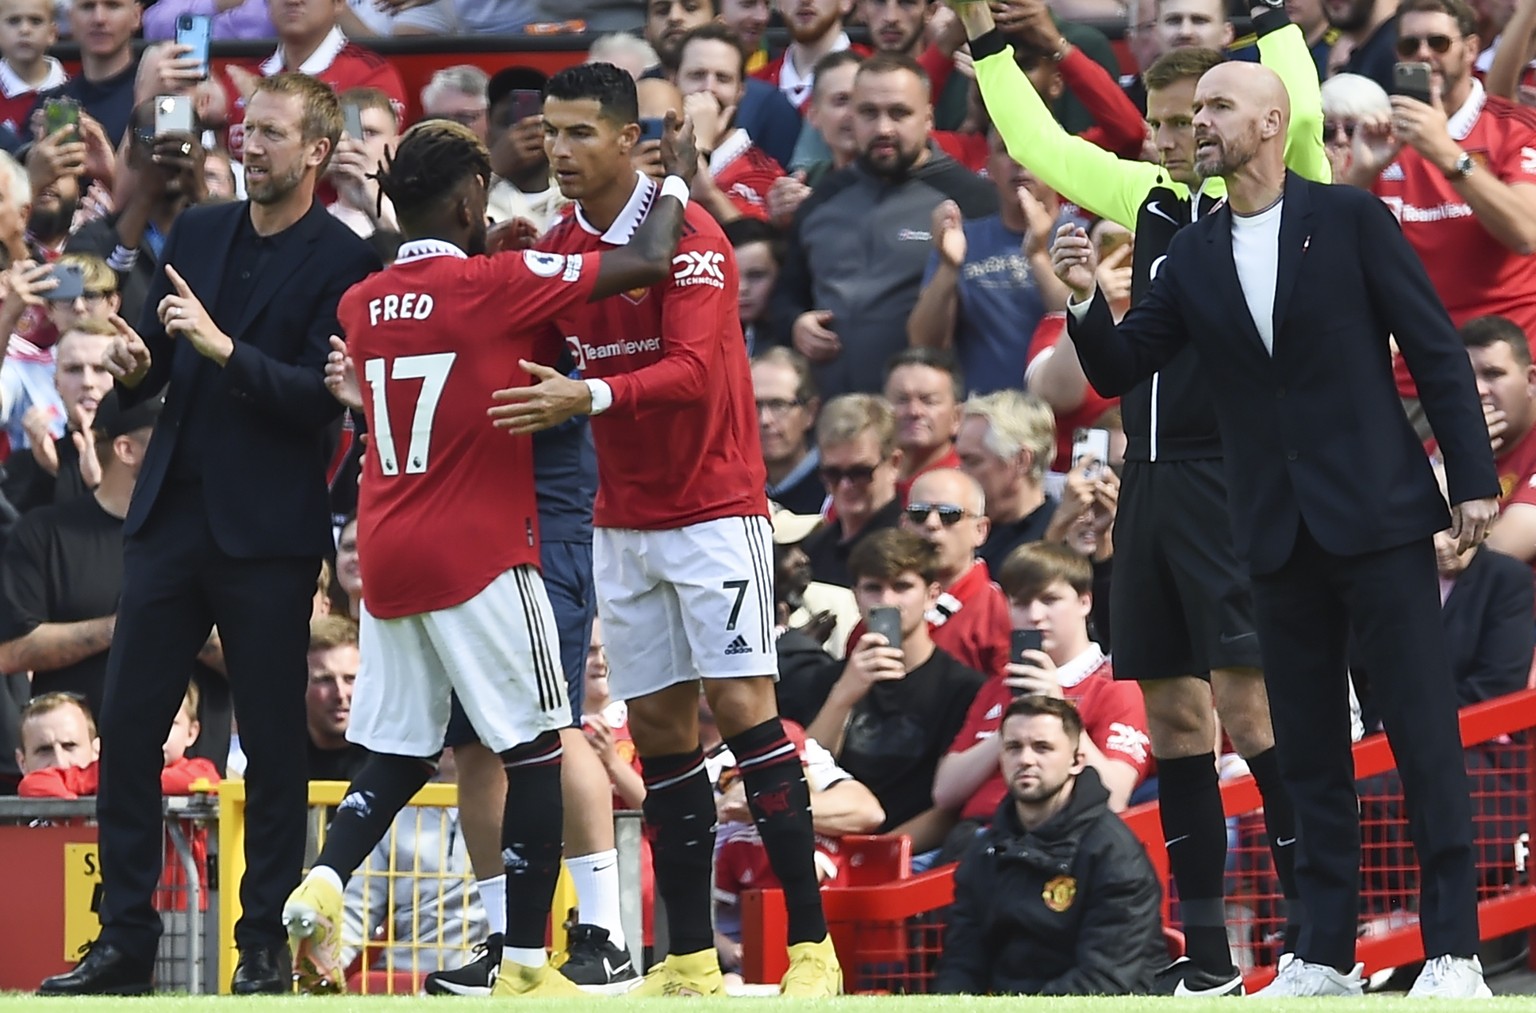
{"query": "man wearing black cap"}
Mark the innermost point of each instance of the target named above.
(63, 571)
(522, 187)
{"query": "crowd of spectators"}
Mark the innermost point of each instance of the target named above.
(922, 421)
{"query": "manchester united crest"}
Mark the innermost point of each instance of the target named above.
(1059, 893)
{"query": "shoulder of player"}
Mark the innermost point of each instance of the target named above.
(700, 227)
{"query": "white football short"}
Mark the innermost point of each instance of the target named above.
(498, 651)
(685, 603)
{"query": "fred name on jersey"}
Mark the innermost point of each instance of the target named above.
(402, 306)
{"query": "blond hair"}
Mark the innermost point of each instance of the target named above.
(847, 417)
(1017, 421)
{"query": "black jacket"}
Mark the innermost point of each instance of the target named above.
(1314, 432)
(1100, 933)
(264, 469)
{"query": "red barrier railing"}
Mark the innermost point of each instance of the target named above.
(889, 936)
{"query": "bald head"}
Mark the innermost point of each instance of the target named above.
(949, 485)
(1241, 115)
(656, 96)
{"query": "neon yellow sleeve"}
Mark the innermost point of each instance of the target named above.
(1080, 171)
(1285, 52)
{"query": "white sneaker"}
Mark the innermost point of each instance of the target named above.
(1451, 977)
(1299, 978)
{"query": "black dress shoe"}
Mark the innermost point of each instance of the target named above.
(264, 970)
(105, 970)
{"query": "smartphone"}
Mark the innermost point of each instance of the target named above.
(1094, 443)
(526, 102)
(59, 113)
(1111, 240)
(196, 30)
(1412, 80)
(885, 620)
(71, 286)
(1025, 640)
(651, 128)
(352, 120)
(173, 114)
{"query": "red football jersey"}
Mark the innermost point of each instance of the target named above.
(1114, 718)
(680, 444)
(1517, 472)
(744, 172)
(339, 63)
(447, 500)
(969, 622)
(1473, 273)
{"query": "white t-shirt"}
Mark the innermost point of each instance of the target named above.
(1256, 251)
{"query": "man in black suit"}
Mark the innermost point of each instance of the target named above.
(227, 526)
(1290, 293)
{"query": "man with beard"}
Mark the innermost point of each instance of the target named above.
(1332, 502)
(1369, 28)
(228, 524)
(859, 245)
(1058, 897)
(168, 169)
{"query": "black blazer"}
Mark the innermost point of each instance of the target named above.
(264, 465)
(1488, 629)
(1316, 432)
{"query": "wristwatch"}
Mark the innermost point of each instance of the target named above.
(1462, 168)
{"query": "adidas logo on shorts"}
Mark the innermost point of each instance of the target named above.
(739, 646)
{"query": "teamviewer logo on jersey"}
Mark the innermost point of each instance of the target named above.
(738, 646)
(699, 267)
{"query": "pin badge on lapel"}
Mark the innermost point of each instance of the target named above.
(1306, 244)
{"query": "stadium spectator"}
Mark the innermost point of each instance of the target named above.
(759, 254)
(815, 29)
(522, 185)
(458, 93)
(830, 114)
(656, 96)
(988, 283)
(856, 441)
(787, 406)
(180, 773)
(108, 66)
(311, 42)
(925, 388)
(737, 172)
(1014, 15)
(896, 708)
(229, 19)
(749, 20)
(1456, 174)
(1309, 16)
(66, 467)
(27, 30)
(57, 730)
(1058, 898)
(1367, 33)
(632, 55)
(333, 662)
(1049, 588)
(859, 245)
(1006, 442)
(348, 578)
(167, 175)
(358, 203)
(823, 613)
(970, 619)
(1348, 101)
(1506, 383)
(1193, 24)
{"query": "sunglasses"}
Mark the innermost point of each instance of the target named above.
(949, 514)
(1332, 128)
(1408, 45)
(859, 474)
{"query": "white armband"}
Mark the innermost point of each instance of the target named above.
(673, 186)
(602, 396)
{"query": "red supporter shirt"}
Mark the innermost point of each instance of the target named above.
(1114, 718)
(339, 63)
(798, 88)
(951, 459)
(969, 622)
(446, 503)
(1473, 273)
(744, 172)
(1084, 416)
(680, 444)
(82, 782)
(1517, 472)
(17, 97)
